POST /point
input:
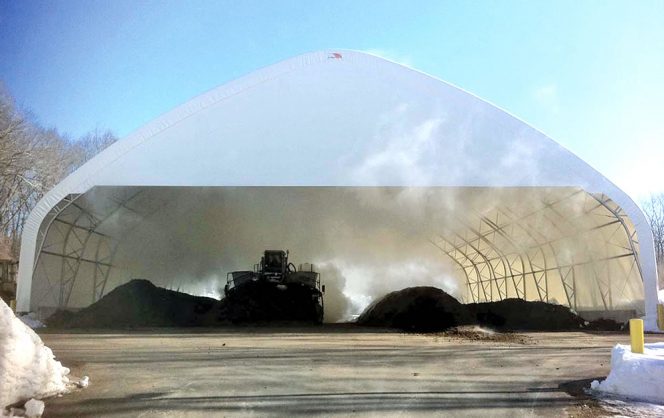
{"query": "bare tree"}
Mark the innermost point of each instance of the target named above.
(32, 161)
(654, 210)
(91, 144)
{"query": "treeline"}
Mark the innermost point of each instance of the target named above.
(654, 210)
(33, 159)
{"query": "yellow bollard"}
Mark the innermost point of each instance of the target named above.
(660, 316)
(12, 305)
(636, 334)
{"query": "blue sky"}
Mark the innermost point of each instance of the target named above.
(590, 74)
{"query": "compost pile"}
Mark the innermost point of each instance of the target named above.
(416, 309)
(429, 309)
(139, 303)
(519, 314)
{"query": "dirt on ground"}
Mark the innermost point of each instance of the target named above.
(139, 304)
(602, 324)
(429, 309)
(416, 309)
(519, 314)
(475, 333)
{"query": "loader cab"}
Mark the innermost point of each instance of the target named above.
(274, 262)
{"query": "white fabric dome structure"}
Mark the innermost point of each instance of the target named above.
(343, 152)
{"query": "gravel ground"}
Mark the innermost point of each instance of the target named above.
(333, 370)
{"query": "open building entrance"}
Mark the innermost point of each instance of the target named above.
(558, 245)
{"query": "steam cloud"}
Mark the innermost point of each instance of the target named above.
(365, 242)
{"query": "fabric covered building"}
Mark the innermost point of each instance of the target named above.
(331, 154)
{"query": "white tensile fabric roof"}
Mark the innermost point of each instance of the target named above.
(353, 121)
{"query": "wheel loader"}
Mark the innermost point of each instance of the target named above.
(276, 290)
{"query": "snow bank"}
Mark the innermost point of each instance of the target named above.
(34, 408)
(31, 321)
(84, 382)
(28, 368)
(635, 376)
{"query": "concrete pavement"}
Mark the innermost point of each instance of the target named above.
(329, 371)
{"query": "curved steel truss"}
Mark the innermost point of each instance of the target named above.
(560, 245)
(503, 253)
(73, 237)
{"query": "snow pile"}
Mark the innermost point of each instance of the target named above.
(27, 367)
(635, 376)
(34, 408)
(631, 408)
(31, 321)
(84, 382)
